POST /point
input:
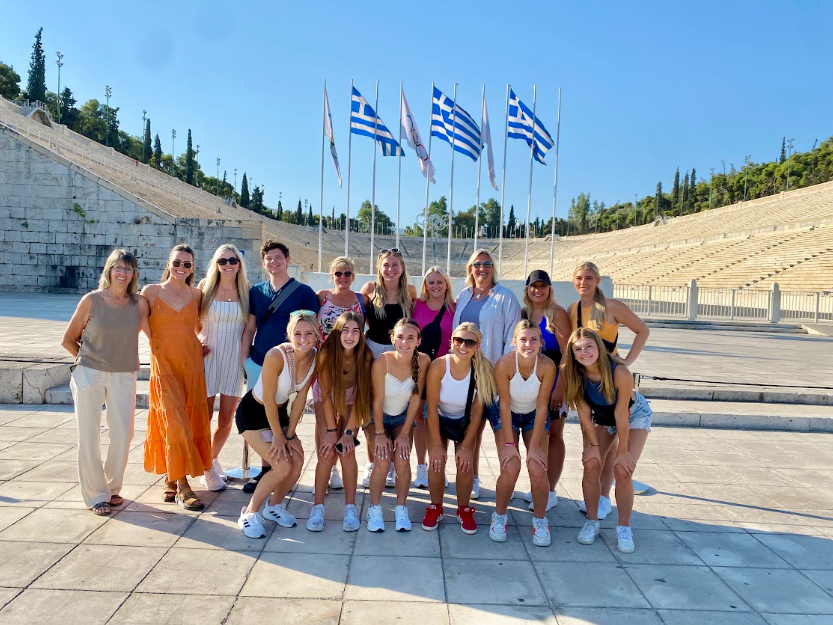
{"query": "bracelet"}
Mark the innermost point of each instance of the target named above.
(333, 430)
(508, 444)
(592, 445)
(292, 438)
(382, 433)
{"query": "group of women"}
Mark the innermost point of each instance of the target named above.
(412, 370)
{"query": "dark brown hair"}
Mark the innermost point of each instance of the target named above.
(271, 244)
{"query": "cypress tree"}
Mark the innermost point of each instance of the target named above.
(299, 214)
(244, 192)
(147, 149)
(157, 152)
(692, 187)
(279, 211)
(658, 199)
(675, 190)
(189, 160)
(783, 151)
(510, 224)
(36, 83)
(310, 217)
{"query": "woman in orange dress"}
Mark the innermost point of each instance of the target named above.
(178, 442)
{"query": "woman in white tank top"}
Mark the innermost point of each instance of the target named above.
(449, 391)
(524, 378)
(398, 380)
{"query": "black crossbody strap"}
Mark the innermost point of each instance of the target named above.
(470, 395)
(280, 297)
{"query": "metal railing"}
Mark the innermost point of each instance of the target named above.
(648, 300)
(734, 304)
(807, 306)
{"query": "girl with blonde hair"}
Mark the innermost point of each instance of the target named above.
(600, 387)
(223, 313)
(460, 386)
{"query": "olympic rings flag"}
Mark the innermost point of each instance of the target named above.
(414, 139)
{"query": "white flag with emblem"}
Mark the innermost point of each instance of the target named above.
(486, 139)
(328, 132)
(414, 139)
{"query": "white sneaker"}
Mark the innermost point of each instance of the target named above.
(588, 533)
(421, 480)
(390, 480)
(335, 479)
(540, 532)
(497, 530)
(475, 488)
(368, 471)
(215, 464)
(605, 507)
(251, 524)
(375, 522)
(280, 515)
(212, 481)
(445, 477)
(403, 522)
(315, 523)
(552, 502)
(624, 539)
(350, 518)
(528, 497)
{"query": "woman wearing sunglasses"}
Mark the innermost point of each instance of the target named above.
(390, 298)
(223, 313)
(178, 440)
(459, 386)
(495, 311)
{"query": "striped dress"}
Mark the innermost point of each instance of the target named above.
(221, 330)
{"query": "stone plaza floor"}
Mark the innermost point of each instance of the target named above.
(737, 528)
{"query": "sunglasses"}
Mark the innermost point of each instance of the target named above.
(228, 261)
(346, 274)
(486, 263)
(187, 264)
(461, 342)
(302, 313)
(393, 250)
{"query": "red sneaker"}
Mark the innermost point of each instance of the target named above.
(466, 517)
(433, 514)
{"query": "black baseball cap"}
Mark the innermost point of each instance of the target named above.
(539, 275)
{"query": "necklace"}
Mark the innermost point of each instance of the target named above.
(226, 295)
(478, 295)
(115, 303)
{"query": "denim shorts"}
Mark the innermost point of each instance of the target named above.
(391, 422)
(492, 413)
(525, 422)
(640, 415)
(453, 429)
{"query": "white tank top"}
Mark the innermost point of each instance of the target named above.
(397, 393)
(453, 393)
(524, 393)
(285, 392)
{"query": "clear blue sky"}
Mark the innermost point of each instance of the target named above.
(647, 86)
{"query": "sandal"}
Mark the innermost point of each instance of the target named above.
(116, 501)
(169, 494)
(187, 500)
(102, 508)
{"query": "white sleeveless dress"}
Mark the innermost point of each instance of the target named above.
(222, 330)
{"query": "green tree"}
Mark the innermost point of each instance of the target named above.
(69, 114)
(299, 213)
(579, 210)
(364, 217)
(783, 156)
(36, 83)
(189, 160)
(147, 149)
(279, 211)
(9, 82)
(658, 200)
(310, 218)
(244, 192)
(510, 224)
(157, 152)
(675, 190)
(257, 200)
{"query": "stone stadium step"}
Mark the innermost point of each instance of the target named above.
(62, 395)
(736, 326)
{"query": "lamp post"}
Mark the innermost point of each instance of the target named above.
(789, 161)
(107, 93)
(235, 180)
(217, 186)
(197, 166)
(746, 176)
(144, 125)
(60, 63)
(173, 149)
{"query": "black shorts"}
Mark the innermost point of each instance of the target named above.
(251, 415)
(454, 429)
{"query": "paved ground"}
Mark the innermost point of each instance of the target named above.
(738, 528)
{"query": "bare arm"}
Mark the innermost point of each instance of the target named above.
(246, 338)
(272, 368)
(562, 335)
(296, 411)
(504, 370)
(377, 375)
(72, 335)
(625, 316)
(144, 317)
(432, 399)
(591, 442)
(546, 371)
(623, 381)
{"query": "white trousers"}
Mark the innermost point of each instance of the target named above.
(90, 389)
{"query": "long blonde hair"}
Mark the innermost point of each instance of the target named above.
(380, 295)
(472, 258)
(181, 247)
(128, 259)
(413, 325)
(449, 295)
(599, 300)
(549, 308)
(484, 373)
(331, 359)
(575, 375)
(211, 282)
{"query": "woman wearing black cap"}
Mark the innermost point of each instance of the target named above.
(541, 308)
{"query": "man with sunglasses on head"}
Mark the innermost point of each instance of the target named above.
(270, 305)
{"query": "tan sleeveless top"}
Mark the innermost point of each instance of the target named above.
(110, 340)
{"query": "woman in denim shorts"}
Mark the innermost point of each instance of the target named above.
(525, 378)
(600, 387)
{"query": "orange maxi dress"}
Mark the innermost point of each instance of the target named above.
(178, 441)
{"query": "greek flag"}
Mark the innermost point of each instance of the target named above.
(363, 120)
(520, 127)
(451, 120)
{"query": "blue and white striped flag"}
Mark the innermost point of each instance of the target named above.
(363, 120)
(520, 127)
(448, 119)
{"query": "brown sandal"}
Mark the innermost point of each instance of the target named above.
(116, 501)
(187, 500)
(169, 494)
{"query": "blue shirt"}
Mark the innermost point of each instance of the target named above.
(272, 332)
(471, 313)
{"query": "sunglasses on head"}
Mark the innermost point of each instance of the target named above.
(461, 342)
(228, 261)
(302, 313)
(393, 250)
(187, 264)
(478, 264)
(346, 274)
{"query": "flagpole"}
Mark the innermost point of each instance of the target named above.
(399, 174)
(373, 193)
(451, 192)
(349, 153)
(321, 197)
(502, 183)
(529, 197)
(479, 169)
(427, 183)
(555, 185)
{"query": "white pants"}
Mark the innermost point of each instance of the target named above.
(90, 389)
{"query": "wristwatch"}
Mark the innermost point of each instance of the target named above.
(350, 433)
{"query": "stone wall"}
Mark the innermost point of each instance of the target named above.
(59, 223)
